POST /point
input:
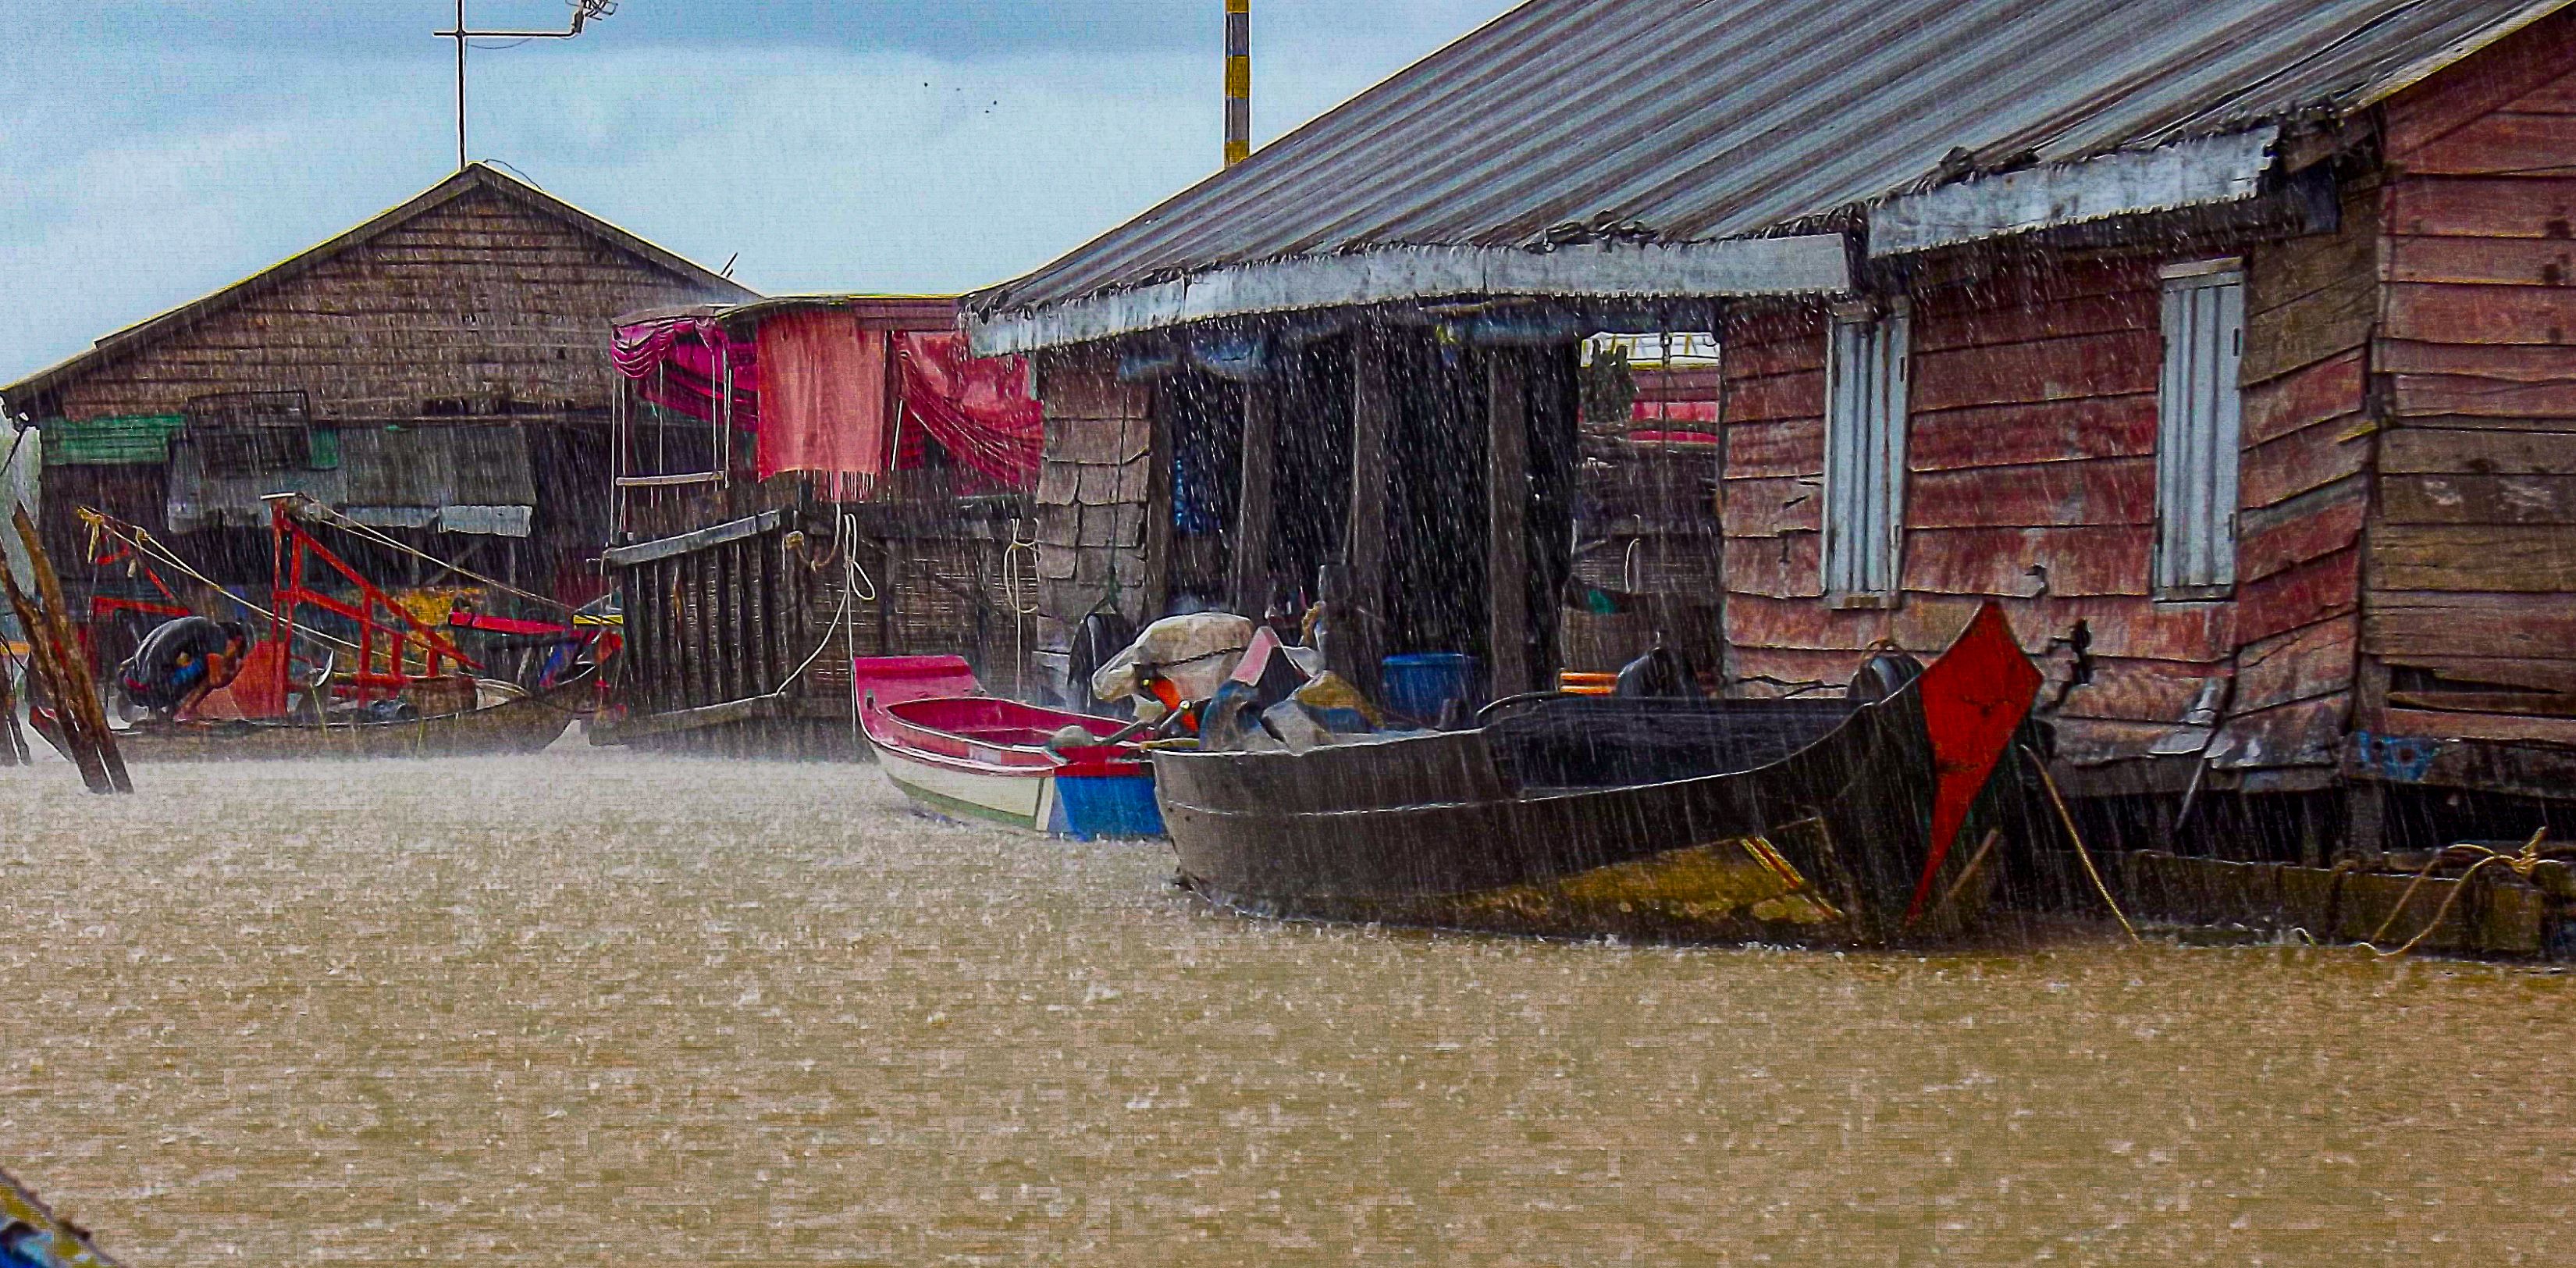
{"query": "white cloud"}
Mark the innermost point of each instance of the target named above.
(825, 168)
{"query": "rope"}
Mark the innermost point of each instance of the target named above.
(2067, 817)
(2521, 864)
(852, 577)
(143, 543)
(1019, 615)
(369, 533)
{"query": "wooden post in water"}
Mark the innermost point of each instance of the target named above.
(1507, 493)
(1254, 513)
(45, 658)
(74, 667)
(1372, 423)
(13, 743)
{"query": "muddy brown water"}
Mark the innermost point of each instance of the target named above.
(594, 1008)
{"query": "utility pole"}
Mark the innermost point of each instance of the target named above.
(1238, 81)
(582, 13)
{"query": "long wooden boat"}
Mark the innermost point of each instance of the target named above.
(31, 1233)
(523, 725)
(1800, 821)
(978, 757)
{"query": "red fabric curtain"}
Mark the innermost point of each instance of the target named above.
(978, 409)
(823, 400)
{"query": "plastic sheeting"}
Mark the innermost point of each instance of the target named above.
(465, 479)
(1195, 652)
(22, 464)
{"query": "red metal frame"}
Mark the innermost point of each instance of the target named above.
(294, 545)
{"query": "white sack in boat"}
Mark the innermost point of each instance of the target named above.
(1196, 652)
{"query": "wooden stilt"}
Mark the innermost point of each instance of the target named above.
(1254, 513)
(1507, 494)
(13, 741)
(1364, 546)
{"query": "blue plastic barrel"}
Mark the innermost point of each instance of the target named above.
(1419, 684)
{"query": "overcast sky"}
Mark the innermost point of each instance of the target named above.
(152, 152)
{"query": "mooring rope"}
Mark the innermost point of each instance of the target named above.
(366, 532)
(1019, 614)
(2067, 817)
(143, 543)
(2521, 864)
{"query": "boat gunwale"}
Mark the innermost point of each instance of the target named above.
(251, 739)
(1128, 765)
(1550, 797)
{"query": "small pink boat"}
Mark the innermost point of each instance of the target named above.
(972, 756)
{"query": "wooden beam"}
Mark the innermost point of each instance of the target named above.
(1507, 495)
(84, 700)
(1256, 515)
(1159, 449)
(1364, 542)
(44, 660)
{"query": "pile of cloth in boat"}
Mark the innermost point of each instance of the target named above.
(1237, 685)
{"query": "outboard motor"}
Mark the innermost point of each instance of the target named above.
(1882, 675)
(1659, 674)
(1101, 635)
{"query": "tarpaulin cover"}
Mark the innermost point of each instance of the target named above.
(979, 409)
(111, 441)
(823, 400)
(390, 477)
(678, 360)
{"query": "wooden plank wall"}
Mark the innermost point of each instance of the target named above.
(2032, 482)
(2472, 554)
(478, 301)
(2310, 305)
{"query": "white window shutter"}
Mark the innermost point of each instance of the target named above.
(1864, 523)
(2199, 430)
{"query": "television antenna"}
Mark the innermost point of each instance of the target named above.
(583, 12)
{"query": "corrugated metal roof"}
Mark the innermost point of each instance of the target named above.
(1681, 122)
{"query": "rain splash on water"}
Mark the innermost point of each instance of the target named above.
(594, 1008)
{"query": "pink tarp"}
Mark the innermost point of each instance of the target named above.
(677, 360)
(823, 404)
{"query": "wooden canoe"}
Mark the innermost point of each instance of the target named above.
(31, 1233)
(1802, 821)
(977, 757)
(523, 725)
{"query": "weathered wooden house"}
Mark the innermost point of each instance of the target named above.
(2226, 343)
(438, 373)
(798, 482)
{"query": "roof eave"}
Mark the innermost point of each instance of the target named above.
(1816, 264)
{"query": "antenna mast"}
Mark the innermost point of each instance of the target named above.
(583, 11)
(1238, 81)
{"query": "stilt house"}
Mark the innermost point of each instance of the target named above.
(2226, 343)
(798, 482)
(438, 373)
